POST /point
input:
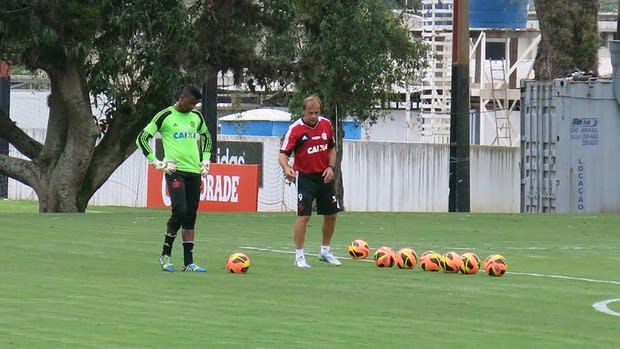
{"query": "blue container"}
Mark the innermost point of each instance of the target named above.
(246, 128)
(352, 129)
(498, 14)
(279, 128)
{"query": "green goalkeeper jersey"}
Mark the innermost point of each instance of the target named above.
(185, 138)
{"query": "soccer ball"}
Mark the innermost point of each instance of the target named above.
(430, 261)
(358, 249)
(451, 262)
(238, 263)
(495, 265)
(470, 263)
(406, 258)
(384, 257)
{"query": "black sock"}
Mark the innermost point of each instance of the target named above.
(188, 252)
(167, 249)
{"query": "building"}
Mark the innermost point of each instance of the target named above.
(503, 40)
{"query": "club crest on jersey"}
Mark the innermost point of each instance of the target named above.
(317, 148)
(324, 136)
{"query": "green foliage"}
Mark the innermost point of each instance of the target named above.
(609, 6)
(354, 55)
(142, 48)
(569, 37)
(132, 51)
(135, 55)
(62, 29)
(20, 70)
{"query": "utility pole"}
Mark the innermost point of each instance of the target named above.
(617, 34)
(459, 110)
(5, 102)
(209, 111)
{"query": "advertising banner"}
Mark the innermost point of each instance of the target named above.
(239, 153)
(227, 188)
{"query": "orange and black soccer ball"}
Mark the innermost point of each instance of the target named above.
(406, 258)
(238, 263)
(384, 257)
(358, 249)
(430, 261)
(495, 265)
(451, 262)
(470, 263)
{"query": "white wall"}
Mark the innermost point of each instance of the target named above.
(376, 176)
(395, 127)
(125, 187)
(395, 177)
(29, 108)
(495, 179)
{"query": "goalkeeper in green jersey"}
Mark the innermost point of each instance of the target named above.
(187, 151)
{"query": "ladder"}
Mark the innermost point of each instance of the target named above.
(501, 111)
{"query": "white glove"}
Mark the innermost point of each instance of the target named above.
(166, 166)
(204, 167)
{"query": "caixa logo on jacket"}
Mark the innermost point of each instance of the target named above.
(185, 135)
(317, 148)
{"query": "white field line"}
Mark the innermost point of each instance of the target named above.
(267, 249)
(568, 278)
(530, 248)
(562, 277)
(602, 306)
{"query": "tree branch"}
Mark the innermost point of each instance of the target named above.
(18, 169)
(18, 138)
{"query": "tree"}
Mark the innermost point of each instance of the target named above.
(609, 5)
(354, 55)
(570, 37)
(130, 55)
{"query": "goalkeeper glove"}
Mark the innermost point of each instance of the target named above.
(166, 166)
(204, 167)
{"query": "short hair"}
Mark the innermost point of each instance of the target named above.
(310, 98)
(191, 90)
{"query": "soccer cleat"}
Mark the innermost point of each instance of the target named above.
(166, 264)
(300, 262)
(195, 268)
(329, 258)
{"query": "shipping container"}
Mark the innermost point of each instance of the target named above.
(570, 141)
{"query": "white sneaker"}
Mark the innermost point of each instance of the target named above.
(300, 262)
(329, 258)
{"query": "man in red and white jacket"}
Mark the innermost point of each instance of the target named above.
(311, 140)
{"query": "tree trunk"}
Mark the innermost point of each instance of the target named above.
(338, 183)
(70, 143)
(570, 39)
(71, 166)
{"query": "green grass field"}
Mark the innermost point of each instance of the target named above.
(93, 281)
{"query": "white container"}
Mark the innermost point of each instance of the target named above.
(569, 146)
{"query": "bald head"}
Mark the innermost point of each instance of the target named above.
(311, 110)
(311, 98)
